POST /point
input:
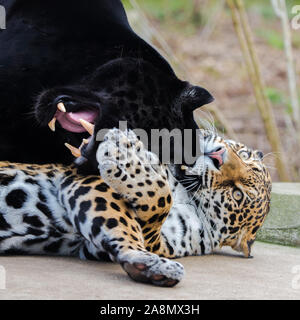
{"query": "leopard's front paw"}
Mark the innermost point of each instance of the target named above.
(150, 268)
(131, 170)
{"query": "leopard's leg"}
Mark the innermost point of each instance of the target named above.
(108, 225)
(137, 175)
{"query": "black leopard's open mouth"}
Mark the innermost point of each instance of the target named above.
(72, 121)
(78, 122)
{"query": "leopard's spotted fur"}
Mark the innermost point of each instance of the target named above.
(124, 215)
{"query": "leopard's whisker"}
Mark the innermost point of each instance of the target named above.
(195, 193)
(191, 186)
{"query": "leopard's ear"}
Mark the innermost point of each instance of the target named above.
(194, 97)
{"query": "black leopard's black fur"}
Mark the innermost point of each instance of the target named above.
(81, 53)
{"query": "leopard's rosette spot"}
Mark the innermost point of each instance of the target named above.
(137, 213)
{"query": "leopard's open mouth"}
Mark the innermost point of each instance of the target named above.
(80, 121)
(216, 156)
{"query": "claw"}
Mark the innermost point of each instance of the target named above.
(75, 151)
(89, 127)
(61, 107)
(51, 124)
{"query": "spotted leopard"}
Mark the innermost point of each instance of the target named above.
(136, 213)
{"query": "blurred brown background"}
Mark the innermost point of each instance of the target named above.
(198, 38)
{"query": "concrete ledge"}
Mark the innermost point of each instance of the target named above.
(282, 225)
(225, 275)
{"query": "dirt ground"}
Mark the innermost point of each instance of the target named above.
(216, 63)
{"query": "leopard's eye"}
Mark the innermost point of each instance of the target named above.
(244, 155)
(237, 195)
(260, 155)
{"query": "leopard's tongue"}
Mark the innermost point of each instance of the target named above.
(70, 121)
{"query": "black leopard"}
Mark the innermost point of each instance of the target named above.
(84, 57)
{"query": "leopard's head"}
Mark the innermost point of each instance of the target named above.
(233, 189)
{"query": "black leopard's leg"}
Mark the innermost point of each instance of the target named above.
(109, 226)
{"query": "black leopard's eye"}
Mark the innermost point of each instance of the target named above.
(237, 195)
(244, 155)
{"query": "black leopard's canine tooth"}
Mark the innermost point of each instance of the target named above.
(61, 107)
(89, 127)
(51, 124)
(84, 142)
(75, 151)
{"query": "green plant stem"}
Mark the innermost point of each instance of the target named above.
(244, 34)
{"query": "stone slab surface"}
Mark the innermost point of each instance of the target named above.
(225, 275)
(282, 225)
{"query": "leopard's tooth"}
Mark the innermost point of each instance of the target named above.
(61, 107)
(84, 142)
(75, 151)
(89, 127)
(51, 124)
